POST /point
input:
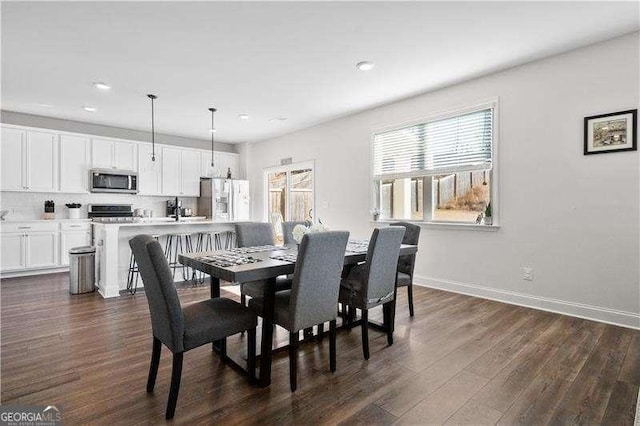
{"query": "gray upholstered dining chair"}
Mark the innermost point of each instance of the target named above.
(313, 298)
(407, 263)
(251, 234)
(372, 283)
(287, 231)
(182, 329)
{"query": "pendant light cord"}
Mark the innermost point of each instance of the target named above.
(153, 129)
(213, 130)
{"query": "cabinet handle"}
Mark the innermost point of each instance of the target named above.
(75, 226)
(24, 227)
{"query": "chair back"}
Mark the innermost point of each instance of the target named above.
(250, 234)
(382, 263)
(167, 322)
(287, 231)
(316, 280)
(407, 263)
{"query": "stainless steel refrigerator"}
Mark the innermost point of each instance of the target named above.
(224, 200)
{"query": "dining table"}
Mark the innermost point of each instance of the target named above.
(265, 263)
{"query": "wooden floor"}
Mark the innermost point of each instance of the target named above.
(461, 360)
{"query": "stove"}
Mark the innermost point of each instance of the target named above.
(111, 213)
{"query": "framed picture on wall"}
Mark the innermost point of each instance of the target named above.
(612, 132)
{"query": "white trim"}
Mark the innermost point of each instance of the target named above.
(595, 313)
(30, 272)
(637, 422)
(309, 164)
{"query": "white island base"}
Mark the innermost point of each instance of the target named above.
(113, 251)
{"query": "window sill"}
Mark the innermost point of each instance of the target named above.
(447, 225)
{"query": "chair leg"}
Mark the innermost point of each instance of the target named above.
(387, 312)
(251, 355)
(332, 345)
(293, 361)
(243, 299)
(365, 333)
(155, 362)
(410, 296)
(176, 375)
(320, 332)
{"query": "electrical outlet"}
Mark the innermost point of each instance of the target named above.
(527, 273)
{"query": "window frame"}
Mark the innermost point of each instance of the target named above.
(286, 169)
(450, 113)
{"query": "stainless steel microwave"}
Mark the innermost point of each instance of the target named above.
(110, 180)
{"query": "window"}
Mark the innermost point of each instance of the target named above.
(289, 194)
(439, 170)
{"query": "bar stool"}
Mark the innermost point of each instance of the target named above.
(176, 245)
(229, 240)
(133, 273)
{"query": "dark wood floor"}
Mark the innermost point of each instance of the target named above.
(460, 360)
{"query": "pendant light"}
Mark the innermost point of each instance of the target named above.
(213, 131)
(153, 129)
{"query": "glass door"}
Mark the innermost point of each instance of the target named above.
(290, 195)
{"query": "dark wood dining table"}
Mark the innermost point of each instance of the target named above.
(266, 268)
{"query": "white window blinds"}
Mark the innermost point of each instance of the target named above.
(449, 145)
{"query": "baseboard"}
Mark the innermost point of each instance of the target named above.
(31, 272)
(595, 313)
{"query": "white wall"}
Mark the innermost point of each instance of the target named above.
(573, 218)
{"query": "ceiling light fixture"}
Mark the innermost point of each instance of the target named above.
(153, 129)
(365, 65)
(243, 116)
(213, 131)
(89, 108)
(101, 85)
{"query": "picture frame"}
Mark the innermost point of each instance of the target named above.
(613, 132)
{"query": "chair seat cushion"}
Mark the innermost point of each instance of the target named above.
(281, 308)
(215, 319)
(403, 279)
(256, 288)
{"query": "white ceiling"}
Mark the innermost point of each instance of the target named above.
(291, 59)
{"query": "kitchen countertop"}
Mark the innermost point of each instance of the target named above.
(43, 220)
(165, 222)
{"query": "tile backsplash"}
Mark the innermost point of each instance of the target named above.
(30, 205)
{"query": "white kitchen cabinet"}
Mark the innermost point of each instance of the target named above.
(205, 164)
(190, 173)
(42, 161)
(113, 154)
(29, 160)
(149, 172)
(75, 163)
(180, 172)
(29, 245)
(12, 252)
(73, 235)
(11, 162)
(171, 173)
(42, 249)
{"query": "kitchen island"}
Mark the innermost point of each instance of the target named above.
(113, 251)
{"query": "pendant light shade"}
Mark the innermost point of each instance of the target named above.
(153, 129)
(213, 132)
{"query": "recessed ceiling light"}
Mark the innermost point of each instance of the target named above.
(213, 130)
(280, 118)
(89, 108)
(101, 85)
(45, 105)
(365, 65)
(243, 116)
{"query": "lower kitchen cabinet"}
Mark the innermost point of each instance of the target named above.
(73, 237)
(13, 252)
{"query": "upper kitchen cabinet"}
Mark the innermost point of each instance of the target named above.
(29, 160)
(190, 173)
(113, 154)
(206, 170)
(12, 148)
(75, 162)
(149, 172)
(180, 172)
